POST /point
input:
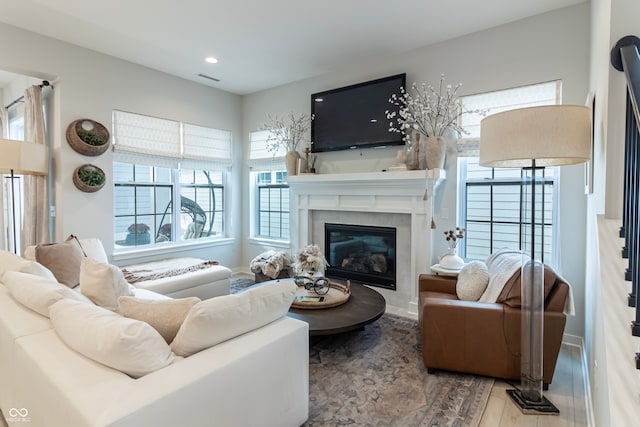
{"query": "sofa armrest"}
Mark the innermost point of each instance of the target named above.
(433, 283)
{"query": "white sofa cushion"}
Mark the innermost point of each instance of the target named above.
(128, 345)
(12, 262)
(38, 293)
(218, 319)
(103, 283)
(165, 316)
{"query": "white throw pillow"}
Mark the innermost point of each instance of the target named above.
(38, 293)
(165, 316)
(93, 248)
(128, 345)
(472, 281)
(103, 283)
(13, 262)
(221, 318)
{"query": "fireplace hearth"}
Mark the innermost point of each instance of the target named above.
(365, 254)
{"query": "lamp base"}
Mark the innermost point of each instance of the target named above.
(544, 407)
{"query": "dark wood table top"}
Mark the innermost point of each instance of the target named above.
(363, 307)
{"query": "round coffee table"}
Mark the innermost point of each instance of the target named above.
(363, 307)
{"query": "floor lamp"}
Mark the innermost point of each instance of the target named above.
(533, 138)
(22, 158)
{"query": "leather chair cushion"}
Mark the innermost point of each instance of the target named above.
(511, 293)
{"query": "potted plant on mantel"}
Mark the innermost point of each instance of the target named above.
(286, 133)
(431, 114)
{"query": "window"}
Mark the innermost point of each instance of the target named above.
(273, 205)
(494, 204)
(169, 181)
(270, 192)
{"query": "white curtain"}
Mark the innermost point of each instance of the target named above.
(35, 227)
(4, 242)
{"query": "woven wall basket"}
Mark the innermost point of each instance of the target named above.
(79, 126)
(85, 187)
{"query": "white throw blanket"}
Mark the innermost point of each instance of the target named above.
(502, 264)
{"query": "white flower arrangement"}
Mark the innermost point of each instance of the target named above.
(286, 132)
(429, 112)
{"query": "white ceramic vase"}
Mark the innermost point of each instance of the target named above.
(291, 162)
(435, 150)
(451, 260)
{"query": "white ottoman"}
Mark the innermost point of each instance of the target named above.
(205, 283)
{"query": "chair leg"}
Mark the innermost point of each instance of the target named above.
(431, 371)
(545, 386)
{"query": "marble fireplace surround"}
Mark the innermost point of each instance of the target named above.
(390, 199)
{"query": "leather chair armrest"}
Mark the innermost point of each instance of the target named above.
(433, 283)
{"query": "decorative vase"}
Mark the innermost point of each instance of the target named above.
(413, 153)
(451, 260)
(435, 149)
(291, 162)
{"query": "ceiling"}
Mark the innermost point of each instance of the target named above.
(261, 43)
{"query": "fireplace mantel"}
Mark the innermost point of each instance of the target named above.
(369, 193)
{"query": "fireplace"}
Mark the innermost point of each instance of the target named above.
(364, 254)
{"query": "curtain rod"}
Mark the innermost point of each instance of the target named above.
(43, 84)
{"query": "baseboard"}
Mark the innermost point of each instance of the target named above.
(577, 341)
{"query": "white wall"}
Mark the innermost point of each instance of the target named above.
(89, 84)
(542, 48)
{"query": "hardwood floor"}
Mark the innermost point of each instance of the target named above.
(567, 392)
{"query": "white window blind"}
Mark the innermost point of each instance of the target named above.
(259, 157)
(547, 93)
(146, 135)
(153, 141)
(205, 144)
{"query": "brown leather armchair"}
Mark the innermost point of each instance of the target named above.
(484, 338)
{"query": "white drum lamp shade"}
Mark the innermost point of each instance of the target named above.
(22, 158)
(553, 135)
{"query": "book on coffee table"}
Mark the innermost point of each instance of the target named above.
(309, 298)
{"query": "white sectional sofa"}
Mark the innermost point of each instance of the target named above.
(259, 378)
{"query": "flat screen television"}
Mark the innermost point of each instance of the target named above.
(354, 116)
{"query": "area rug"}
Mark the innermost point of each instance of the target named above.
(237, 285)
(376, 377)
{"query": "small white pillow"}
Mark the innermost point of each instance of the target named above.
(221, 318)
(38, 293)
(93, 248)
(103, 283)
(472, 281)
(128, 345)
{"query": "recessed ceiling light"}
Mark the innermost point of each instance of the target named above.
(211, 60)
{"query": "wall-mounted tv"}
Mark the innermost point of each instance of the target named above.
(354, 116)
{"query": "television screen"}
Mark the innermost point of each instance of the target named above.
(354, 116)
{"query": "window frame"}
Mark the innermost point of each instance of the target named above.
(256, 210)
